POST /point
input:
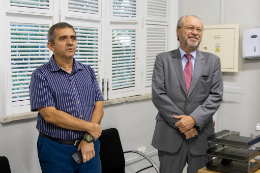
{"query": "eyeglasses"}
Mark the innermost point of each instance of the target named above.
(191, 29)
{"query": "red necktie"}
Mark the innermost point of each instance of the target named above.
(188, 72)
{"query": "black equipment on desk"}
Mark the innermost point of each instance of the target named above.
(232, 152)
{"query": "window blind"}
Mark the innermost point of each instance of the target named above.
(36, 4)
(28, 51)
(157, 10)
(123, 59)
(84, 6)
(156, 43)
(124, 8)
(87, 47)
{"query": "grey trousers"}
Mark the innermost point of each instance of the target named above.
(175, 162)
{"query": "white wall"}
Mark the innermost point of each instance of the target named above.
(240, 110)
(135, 122)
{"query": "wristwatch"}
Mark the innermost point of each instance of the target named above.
(88, 138)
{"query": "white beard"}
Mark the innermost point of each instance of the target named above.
(192, 44)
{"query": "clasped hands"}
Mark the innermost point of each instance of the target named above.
(87, 149)
(186, 125)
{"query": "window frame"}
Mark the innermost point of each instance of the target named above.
(16, 108)
(128, 91)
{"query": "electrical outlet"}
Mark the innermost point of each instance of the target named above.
(142, 149)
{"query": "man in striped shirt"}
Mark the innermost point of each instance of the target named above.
(70, 105)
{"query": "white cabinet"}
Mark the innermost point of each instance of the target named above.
(223, 41)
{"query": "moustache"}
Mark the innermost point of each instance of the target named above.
(196, 37)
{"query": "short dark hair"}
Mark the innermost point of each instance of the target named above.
(51, 33)
(181, 21)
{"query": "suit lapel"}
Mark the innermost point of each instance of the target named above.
(199, 64)
(177, 63)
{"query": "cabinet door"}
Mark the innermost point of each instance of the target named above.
(220, 42)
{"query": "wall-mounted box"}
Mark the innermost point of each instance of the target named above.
(223, 41)
(251, 43)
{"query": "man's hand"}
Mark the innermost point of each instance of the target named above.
(186, 122)
(191, 133)
(87, 150)
(95, 131)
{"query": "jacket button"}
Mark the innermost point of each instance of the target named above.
(187, 102)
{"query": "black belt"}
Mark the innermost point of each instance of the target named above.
(62, 141)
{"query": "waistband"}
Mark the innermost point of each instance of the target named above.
(62, 141)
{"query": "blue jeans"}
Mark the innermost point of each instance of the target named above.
(56, 158)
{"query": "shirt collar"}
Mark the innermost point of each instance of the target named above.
(193, 54)
(55, 67)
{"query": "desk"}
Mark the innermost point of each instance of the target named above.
(205, 170)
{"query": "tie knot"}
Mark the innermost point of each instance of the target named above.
(188, 56)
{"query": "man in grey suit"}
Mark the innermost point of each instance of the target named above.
(187, 90)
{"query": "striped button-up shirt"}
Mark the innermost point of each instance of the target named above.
(74, 93)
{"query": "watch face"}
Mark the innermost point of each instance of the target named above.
(89, 138)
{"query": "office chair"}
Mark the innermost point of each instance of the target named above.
(4, 165)
(112, 155)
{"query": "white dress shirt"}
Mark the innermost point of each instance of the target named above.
(184, 59)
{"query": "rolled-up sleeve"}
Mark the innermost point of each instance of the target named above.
(40, 93)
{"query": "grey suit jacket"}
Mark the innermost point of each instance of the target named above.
(170, 97)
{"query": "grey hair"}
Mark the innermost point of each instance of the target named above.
(181, 21)
(51, 34)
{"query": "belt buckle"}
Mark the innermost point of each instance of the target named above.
(76, 143)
